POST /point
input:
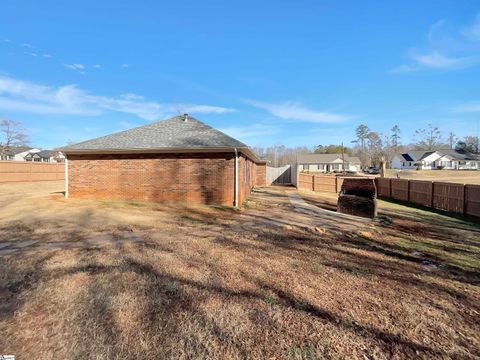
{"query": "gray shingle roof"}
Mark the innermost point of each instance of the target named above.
(45, 154)
(459, 154)
(428, 153)
(167, 134)
(324, 158)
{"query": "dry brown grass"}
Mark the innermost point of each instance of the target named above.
(209, 282)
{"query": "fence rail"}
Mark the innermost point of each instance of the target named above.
(326, 183)
(452, 197)
(24, 171)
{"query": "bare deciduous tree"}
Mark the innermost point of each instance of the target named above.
(12, 133)
(280, 155)
(429, 138)
(451, 139)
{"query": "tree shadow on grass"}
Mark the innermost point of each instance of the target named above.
(170, 298)
(180, 301)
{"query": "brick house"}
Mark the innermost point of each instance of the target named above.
(179, 159)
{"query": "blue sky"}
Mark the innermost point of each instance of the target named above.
(266, 72)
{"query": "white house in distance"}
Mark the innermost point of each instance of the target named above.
(24, 153)
(18, 153)
(327, 163)
(440, 159)
(45, 156)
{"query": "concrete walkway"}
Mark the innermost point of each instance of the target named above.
(286, 208)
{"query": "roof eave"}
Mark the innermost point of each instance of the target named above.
(245, 150)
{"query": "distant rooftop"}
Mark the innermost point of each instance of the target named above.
(324, 158)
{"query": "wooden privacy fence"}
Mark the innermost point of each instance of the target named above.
(327, 183)
(457, 198)
(17, 171)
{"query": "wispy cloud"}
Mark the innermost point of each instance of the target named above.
(97, 66)
(473, 30)
(404, 68)
(250, 132)
(192, 108)
(47, 56)
(468, 107)
(25, 96)
(124, 66)
(293, 111)
(77, 67)
(436, 60)
(80, 68)
(447, 48)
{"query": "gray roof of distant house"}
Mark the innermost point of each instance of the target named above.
(324, 158)
(419, 155)
(427, 153)
(416, 154)
(45, 153)
(171, 133)
(459, 154)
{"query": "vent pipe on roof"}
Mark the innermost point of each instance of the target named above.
(185, 117)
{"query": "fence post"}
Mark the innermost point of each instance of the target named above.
(390, 187)
(431, 194)
(313, 182)
(408, 190)
(464, 207)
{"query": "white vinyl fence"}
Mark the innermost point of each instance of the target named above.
(279, 175)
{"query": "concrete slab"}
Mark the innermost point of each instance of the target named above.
(23, 244)
(101, 239)
(5, 244)
(7, 251)
(59, 245)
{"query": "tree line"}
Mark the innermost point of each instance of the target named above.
(369, 146)
(372, 146)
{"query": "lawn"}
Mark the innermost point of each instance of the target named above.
(130, 280)
(455, 176)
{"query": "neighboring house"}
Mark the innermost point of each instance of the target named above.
(440, 159)
(179, 159)
(25, 153)
(17, 153)
(44, 156)
(327, 163)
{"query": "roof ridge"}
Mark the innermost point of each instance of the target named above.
(175, 132)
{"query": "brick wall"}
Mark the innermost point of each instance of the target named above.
(206, 178)
(261, 175)
(246, 178)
